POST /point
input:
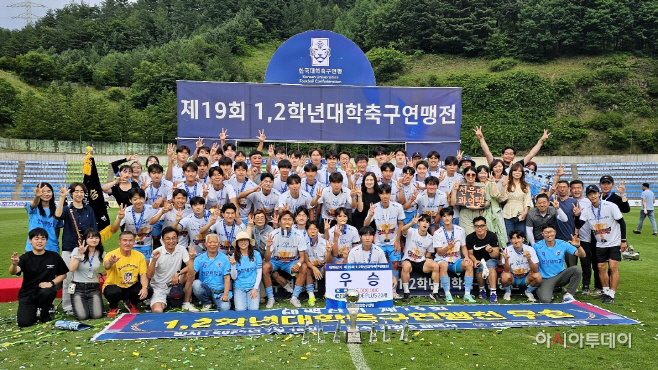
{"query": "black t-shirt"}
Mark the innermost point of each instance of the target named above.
(123, 197)
(39, 269)
(478, 245)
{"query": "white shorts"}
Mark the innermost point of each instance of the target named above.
(160, 294)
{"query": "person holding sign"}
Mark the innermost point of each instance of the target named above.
(471, 199)
(483, 251)
(521, 267)
(286, 250)
(449, 243)
(493, 213)
(416, 252)
(389, 218)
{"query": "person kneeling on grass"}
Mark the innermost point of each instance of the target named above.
(126, 276)
(246, 272)
(482, 247)
(550, 253)
(285, 250)
(416, 252)
(42, 271)
(319, 254)
(449, 243)
(214, 282)
(164, 270)
(367, 252)
(521, 267)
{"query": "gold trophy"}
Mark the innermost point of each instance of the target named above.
(353, 335)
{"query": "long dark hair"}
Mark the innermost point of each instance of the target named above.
(363, 183)
(51, 204)
(510, 185)
(99, 248)
(238, 255)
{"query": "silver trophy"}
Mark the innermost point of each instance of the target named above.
(307, 333)
(373, 333)
(386, 337)
(353, 335)
(337, 333)
(320, 334)
(404, 333)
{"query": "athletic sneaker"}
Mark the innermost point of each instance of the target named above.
(295, 302)
(449, 298)
(396, 295)
(469, 298)
(206, 308)
(311, 301)
(187, 306)
(289, 287)
(607, 299)
(596, 292)
(637, 232)
(530, 296)
(406, 298)
(131, 307)
(493, 298)
(567, 298)
(69, 313)
(435, 297)
(483, 295)
(507, 296)
(112, 313)
(585, 291)
(270, 303)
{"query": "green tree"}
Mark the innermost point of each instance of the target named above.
(9, 104)
(36, 67)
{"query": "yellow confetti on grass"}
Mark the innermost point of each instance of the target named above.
(304, 358)
(135, 353)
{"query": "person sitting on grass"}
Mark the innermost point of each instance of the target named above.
(520, 263)
(126, 276)
(319, 254)
(43, 271)
(85, 264)
(482, 247)
(214, 282)
(416, 252)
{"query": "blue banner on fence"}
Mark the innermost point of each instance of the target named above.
(477, 316)
(320, 58)
(319, 113)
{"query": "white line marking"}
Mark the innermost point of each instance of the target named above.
(357, 357)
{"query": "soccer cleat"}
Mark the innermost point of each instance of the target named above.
(187, 306)
(469, 298)
(596, 292)
(637, 232)
(206, 308)
(406, 297)
(270, 303)
(289, 287)
(483, 295)
(507, 296)
(530, 296)
(493, 298)
(396, 295)
(449, 298)
(311, 301)
(435, 297)
(69, 313)
(112, 313)
(607, 299)
(131, 307)
(567, 298)
(585, 291)
(295, 302)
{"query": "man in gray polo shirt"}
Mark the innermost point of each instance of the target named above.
(543, 214)
(647, 209)
(164, 270)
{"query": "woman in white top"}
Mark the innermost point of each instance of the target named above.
(86, 261)
(519, 200)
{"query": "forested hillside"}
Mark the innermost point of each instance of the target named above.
(585, 69)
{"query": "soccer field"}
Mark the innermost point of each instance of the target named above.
(45, 346)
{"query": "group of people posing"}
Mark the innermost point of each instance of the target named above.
(224, 231)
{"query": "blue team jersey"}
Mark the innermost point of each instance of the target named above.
(247, 270)
(551, 260)
(212, 271)
(50, 223)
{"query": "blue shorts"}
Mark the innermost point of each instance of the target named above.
(157, 228)
(520, 281)
(145, 250)
(408, 216)
(391, 254)
(492, 263)
(455, 267)
(283, 266)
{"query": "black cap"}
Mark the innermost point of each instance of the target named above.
(606, 178)
(417, 154)
(467, 158)
(593, 188)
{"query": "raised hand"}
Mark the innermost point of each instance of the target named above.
(318, 192)
(559, 172)
(38, 190)
(576, 209)
(270, 241)
(442, 175)
(14, 258)
(275, 218)
(122, 212)
(228, 174)
(63, 191)
(285, 207)
(456, 186)
(206, 189)
(460, 154)
(390, 157)
(574, 239)
(179, 214)
(478, 132)
(213, 149)
(270, 151)
(191, 250)
(505, 181)
(506, 255)
(199, 143)
(357, 190)
(261, 135)
(371, 211)
(144, 185)
(155, 255)
(132, 157)
(166, 207)
(327, 225)
(223, 135)
(113, 259)
(82, 247)
(491, 177)
(556, 203)
(171, 150)
(621, 187)
(231, 259)
(527, 255)
(545, 136)
(250, 220)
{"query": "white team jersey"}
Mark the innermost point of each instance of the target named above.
(440, 240)
(397, 172)
(138, 223)
(346, 240)
(316, 252)
(286, 247)
(408, 191)
(436, 173)
(603, 221)
(195, 190)
(177, 173)
(220, 197)
(280, 185)
(518, 264)
(417, 246)
(303, 201)
(153, 194)
(205, 179)
(374, 255)
(240, 188)
(323, 177)
(312, 189)
(394, 189)
(226, 234)
(374, 169)
(431, 205)
(192, 224)
(331, 201)
(447, 184)
(585, 233)
(169, 218)
(264, 202)
(387, 222)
